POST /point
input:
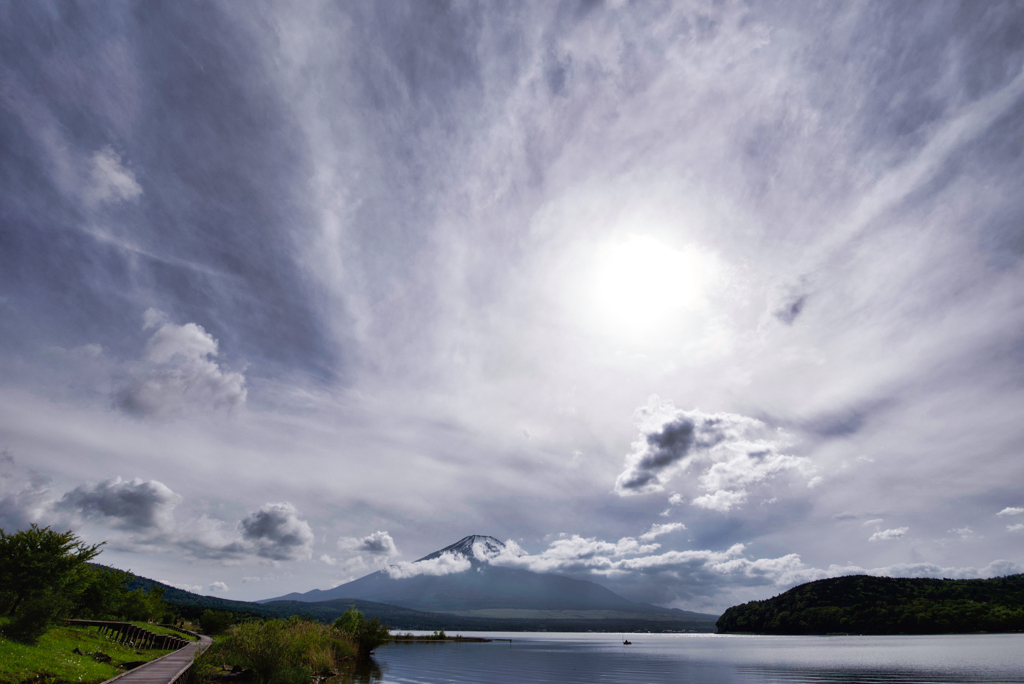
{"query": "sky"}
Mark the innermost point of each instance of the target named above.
(696, 300)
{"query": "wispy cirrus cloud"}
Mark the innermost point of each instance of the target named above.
(109, 181)
(658, 529)
(888, 535)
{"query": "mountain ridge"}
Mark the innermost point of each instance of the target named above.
(192, 605)
(488, 588)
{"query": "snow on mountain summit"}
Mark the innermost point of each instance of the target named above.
(474, 547)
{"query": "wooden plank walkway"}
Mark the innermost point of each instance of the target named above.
(166, 670)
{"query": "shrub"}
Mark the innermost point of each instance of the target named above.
(284, 650)
(366, 635)
(261, 646)
(215, 621)
(34, 616)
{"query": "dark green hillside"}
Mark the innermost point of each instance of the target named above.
(861, 604)
(192, 606)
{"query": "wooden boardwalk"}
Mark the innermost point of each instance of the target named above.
(166, 670)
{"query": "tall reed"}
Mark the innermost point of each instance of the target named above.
(290, 651)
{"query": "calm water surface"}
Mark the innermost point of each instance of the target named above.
(542, 658)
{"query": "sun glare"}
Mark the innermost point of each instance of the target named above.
(641, 284)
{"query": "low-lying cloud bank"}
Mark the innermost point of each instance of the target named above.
(141, 515)
(677, 577)
(445, 564)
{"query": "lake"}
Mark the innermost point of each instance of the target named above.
(542, 658)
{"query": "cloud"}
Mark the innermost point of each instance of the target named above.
(376, 544)
(658, 529)
(212, 539)
(734, 452)
(787, 303)
(873, 521)
(445, 564)
(997, 568)
(135, 505)
(109, 181)
(25, 495)
(1011, 510)
(217, 586)
(351, 566)
(145, 510)
(571, 553)
(277, 533)
(1015, 528)
(721, 500)
(379, 546)
(194, 588)
(886, 535)
(178, 374)
(686, 576)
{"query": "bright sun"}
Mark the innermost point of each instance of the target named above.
(641, 283)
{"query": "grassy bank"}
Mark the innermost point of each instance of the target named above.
(282, 651)
(52, 660)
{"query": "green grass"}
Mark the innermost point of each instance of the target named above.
(158, 629)
(51, 661)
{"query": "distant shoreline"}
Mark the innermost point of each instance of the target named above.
(876, 606)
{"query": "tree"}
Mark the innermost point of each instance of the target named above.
(215, 621)
(104, 594)
(42, 573)
(365, 634)
(143, 605)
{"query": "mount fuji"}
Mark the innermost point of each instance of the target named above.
(472, 587)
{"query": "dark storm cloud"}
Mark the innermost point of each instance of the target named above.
(277, 533)
(134, 505)
(664, 447)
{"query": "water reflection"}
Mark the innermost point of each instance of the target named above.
(708, 659)
(775, 675)
(368, 672)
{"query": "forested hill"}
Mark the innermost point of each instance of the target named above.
(861, 604)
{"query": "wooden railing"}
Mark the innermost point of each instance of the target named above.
(135, 636)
